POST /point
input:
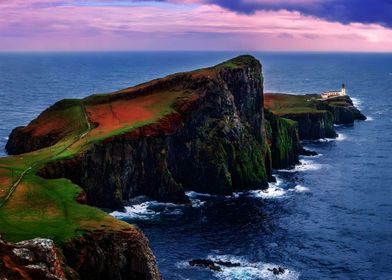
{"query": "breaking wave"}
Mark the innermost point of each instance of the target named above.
(148, 210)
(305, 165)
(250, 271)
(300, 188)
(357, 102)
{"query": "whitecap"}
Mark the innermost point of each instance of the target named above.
(139, 211)
(357, 102)
(322, 140)
(300, 189)
(273, 191)
(193, 194)
(341, 137)
(369, 119)
(194, 197)
(6, 138)
(305, 165)
(249, 270)
(148, 210)
(197, 203)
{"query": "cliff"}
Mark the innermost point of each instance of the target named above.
(284, 140)
(201, 130)
(100, 255)
(342, 109)
(315, 117)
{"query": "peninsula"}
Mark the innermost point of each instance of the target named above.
(204, 130)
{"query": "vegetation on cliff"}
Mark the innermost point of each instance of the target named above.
(315, 116)
(202, 130)
(284, 140)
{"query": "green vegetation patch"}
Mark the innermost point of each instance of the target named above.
(47, 208)
(283, 104)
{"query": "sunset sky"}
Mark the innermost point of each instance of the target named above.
(273, 25)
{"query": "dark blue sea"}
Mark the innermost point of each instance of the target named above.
(329, 218)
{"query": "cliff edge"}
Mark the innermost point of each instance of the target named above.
(200, 130)
(315, 116)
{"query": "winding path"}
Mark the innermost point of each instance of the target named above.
(28, 169)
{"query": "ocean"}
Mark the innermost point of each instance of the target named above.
(328, 218)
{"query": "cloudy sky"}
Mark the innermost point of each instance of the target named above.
(274, 25)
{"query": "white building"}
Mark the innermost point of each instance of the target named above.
(334, 93)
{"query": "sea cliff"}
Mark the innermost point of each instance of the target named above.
(201, 131)
(315, 116)
(204, 130)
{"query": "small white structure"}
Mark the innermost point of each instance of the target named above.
(334, 93)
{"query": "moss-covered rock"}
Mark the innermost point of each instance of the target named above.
(284, 140)
(201, 130)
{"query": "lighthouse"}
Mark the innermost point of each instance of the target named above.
(343, 91)
(334, 93)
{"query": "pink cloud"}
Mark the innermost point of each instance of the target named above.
(37, 26)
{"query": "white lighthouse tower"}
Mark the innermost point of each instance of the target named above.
(343, 91)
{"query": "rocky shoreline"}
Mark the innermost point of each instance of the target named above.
(217, 133)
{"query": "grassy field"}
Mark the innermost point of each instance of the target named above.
(282, 104)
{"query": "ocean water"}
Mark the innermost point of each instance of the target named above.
(328, 218)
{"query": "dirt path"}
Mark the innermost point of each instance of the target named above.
(28, 169)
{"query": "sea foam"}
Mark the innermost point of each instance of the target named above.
(341, 137)
(274, 191)
(357, 102)
(148, 210)
(300, 188)
(369, 119)
(305, 165)
(249, 270)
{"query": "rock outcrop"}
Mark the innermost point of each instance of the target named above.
(342, 109)
(31, 259)
(313, 125)
(109, 254)
(99, 255)
(211, 140)
(315, 116)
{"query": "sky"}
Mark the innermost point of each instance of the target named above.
(253, 25)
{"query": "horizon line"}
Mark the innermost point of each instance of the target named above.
(201, 51)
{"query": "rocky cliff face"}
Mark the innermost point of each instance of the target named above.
(212, 141)
(99, 255)
(313, 125)
(315, 116)
(342, 109)
(110, 255)
(31, 259)
(284, 140)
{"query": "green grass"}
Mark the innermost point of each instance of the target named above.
(283, 104)
(239, 61)
(47, 208)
